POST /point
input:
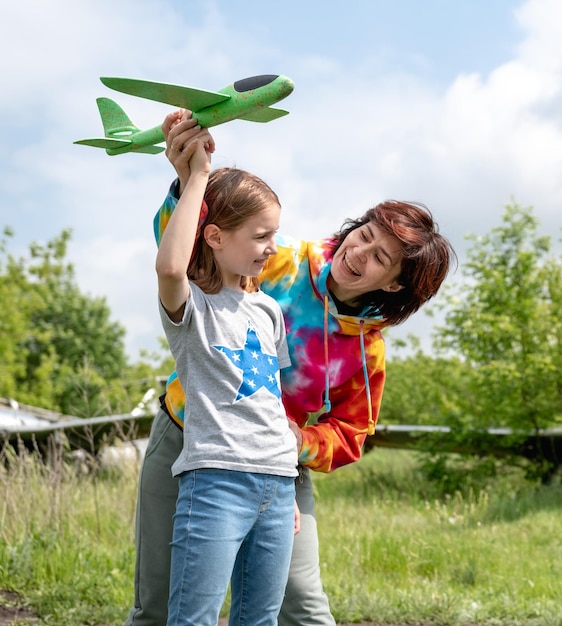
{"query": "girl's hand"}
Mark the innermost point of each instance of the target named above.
(297, 526)
(182, 134)
(201, 150)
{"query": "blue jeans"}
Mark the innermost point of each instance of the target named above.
(232, 527)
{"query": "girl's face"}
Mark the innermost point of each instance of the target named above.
(244, 251)
(368, 259)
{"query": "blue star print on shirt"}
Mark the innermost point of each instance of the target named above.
(258, 369)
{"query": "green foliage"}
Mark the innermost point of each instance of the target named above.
(422, 389)
(60, 349)
(498, 357)
(505, 322)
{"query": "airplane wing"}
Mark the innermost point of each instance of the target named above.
(109, 144)
(545, 444)
(32, 425)
(264, 115)
(176, 95)
(103, 142)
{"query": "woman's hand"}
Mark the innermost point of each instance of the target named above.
(297, 432)
(183, 136)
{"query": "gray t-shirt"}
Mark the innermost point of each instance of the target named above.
(228, 350)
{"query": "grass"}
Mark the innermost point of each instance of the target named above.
(66, 539)
(393, 548)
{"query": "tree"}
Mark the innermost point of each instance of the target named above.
(14, 321)
(59, 348)
(423, 390)
(505, 323)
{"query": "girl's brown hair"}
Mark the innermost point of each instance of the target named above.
(232, 196)
(426, 258)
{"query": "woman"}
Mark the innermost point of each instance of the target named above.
(336, 295)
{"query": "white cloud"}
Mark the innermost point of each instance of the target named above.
(357, 133)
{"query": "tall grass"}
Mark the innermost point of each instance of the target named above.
(393, 548)
(396, 550)
(67, 538)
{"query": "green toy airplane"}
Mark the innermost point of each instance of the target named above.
(247, 99)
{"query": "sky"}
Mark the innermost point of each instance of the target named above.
(457, 105)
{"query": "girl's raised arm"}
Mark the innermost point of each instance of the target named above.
(176, 245)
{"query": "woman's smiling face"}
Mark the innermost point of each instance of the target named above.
(367, 260)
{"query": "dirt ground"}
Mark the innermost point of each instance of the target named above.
(12, 612)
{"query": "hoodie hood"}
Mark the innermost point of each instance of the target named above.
(320, 256)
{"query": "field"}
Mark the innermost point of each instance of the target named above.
(395, 548)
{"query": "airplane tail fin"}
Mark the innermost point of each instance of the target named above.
(120, 134)
(116, 123)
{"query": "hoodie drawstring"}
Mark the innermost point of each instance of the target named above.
(370, 423)
(327, 403)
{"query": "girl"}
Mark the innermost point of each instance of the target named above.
(235, 508)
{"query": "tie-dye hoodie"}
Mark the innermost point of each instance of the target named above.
(333, 389)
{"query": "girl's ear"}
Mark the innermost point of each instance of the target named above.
(213, 236)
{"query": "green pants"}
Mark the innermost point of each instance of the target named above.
(305, 602)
